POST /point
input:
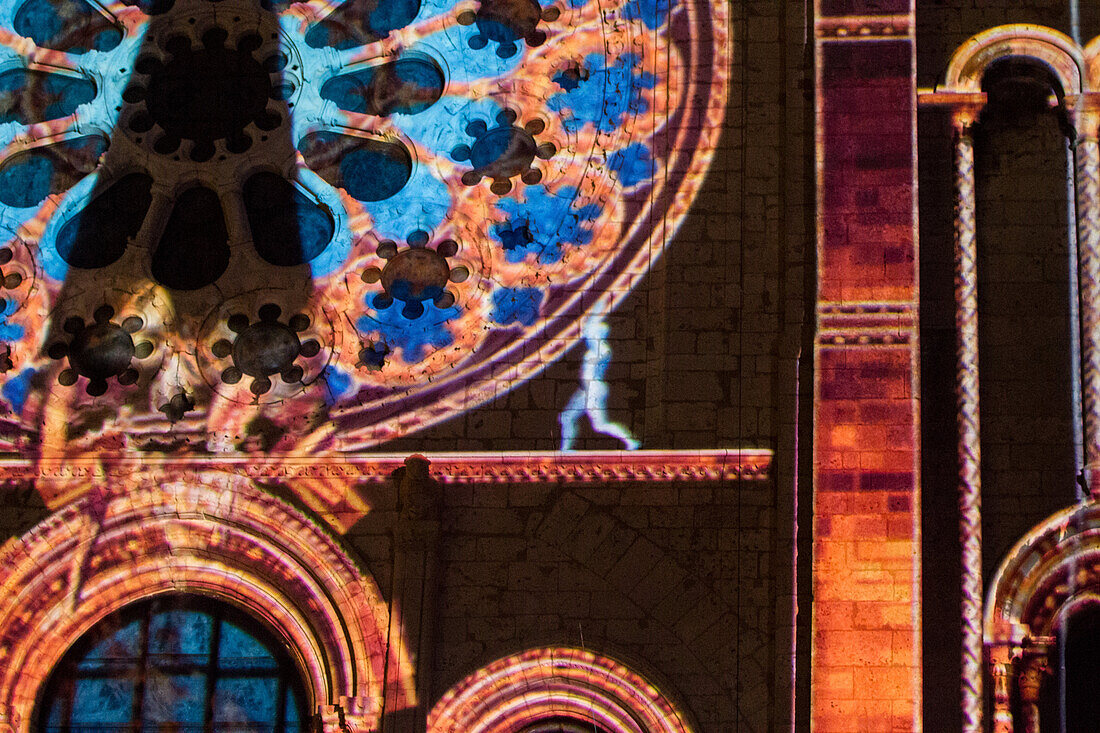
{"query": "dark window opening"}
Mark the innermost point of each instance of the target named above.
(563, 724)
(175, 663)
(1069, 687)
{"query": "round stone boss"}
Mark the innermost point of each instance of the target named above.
(414, 203)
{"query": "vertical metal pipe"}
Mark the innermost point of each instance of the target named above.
(969, 446)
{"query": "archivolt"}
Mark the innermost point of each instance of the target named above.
(211, 534)
(553, 683)
(1051, 570)
(1056, 50)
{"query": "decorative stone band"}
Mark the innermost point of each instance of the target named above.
(555, 683)
(217, 535)
(750, 464)
(863, 27)
(329, 484)
(863, 324)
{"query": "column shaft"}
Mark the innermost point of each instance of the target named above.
(969, 445)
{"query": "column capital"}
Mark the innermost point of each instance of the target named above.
(1084, 111)
(964, 117)
(1031, 678)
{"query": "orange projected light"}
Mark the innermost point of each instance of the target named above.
(558, 684)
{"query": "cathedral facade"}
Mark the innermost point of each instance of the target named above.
(545, 366)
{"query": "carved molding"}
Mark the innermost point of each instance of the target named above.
(1053, 48)
(220, 537)
(1052, 570)
(540, 684)
(863, 27)
(520, 467)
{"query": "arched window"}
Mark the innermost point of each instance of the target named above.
(1068, 702)
(1024, 250)
(555, 690)
(179, 663)
(563, 725)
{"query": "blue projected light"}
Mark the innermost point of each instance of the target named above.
(170, 663)
(424, 197)
(590, 400)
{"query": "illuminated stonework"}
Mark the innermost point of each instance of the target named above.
(555, 683)
(210, 534)
(185, 155)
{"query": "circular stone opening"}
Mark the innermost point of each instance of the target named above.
(266, 348)
(101, 350)
(207, 93)
(415, 274)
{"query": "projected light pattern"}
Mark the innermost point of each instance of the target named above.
(455, 182)
(564, 686)
(866, 560)
(590, 399)
(175, 661)
(221, 539)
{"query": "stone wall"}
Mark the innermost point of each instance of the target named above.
(676, 579)
(705, 347)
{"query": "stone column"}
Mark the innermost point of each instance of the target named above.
(969, 443)
(1001, 669)
(412, 612)
(1034, 669)
(1087, 163)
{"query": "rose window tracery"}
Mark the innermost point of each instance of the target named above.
(415, 275)
(506, 22)
(100, 350)
(357, 209)
(208, 94)
(503, 151)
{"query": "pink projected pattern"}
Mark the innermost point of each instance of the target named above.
(545, 174)
(555, 683)
(207, 534)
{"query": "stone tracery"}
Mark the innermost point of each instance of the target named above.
(362, 144)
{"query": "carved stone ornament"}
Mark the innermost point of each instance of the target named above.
(214, 534)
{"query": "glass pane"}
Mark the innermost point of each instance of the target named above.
(103, 701)
(180, 636)
(118, 651)
(174, 699)
(65, 25)
(238, 649)
(159, 653)
(249, 702)
(291, 708)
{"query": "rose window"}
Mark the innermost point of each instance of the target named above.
(355, 210)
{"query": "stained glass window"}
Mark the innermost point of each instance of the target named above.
(175, 663)
(562, 724)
